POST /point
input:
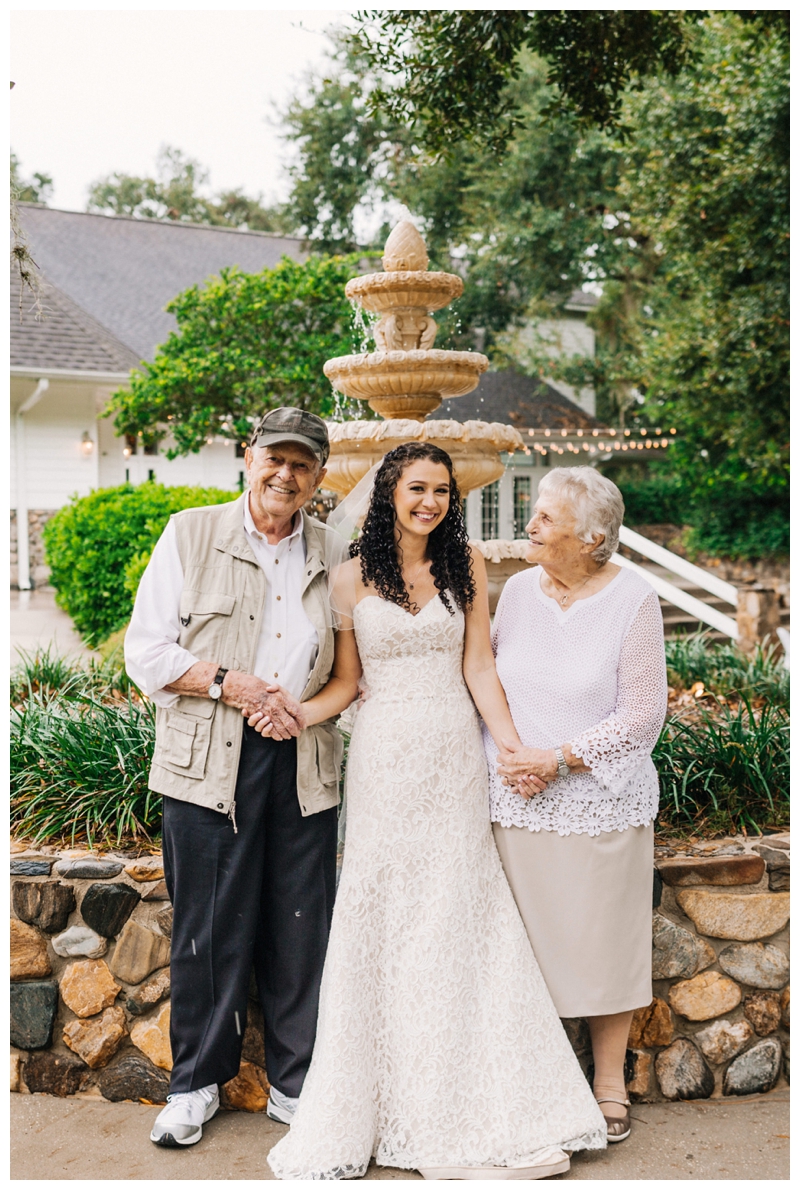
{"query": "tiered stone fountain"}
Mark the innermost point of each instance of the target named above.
(407, 378)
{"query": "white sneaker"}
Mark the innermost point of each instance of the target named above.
(281, 1107)
(181, 1121)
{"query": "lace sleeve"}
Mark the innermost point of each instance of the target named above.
(613, 748)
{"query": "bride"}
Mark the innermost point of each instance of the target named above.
(438, 1046)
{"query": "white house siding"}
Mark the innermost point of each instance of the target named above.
(213, 466)
(564, 337)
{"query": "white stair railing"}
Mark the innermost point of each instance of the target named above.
(682, 599)
(701, 578)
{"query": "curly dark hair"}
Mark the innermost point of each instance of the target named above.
(448, 547)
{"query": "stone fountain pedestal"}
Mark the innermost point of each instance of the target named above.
(406, 378)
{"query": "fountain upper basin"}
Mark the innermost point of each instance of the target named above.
(406, 289)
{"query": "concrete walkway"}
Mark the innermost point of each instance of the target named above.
(88, 1138)
(36, 622)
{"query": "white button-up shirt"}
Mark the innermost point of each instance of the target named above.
(288, 642)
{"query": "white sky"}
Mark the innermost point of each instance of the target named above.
(98, 91)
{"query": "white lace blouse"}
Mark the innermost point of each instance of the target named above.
(593, 676)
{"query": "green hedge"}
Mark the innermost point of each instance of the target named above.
(98, 545)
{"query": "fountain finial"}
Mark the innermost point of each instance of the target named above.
(405, 250)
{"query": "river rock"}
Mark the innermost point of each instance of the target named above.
(253, 1040)
(87, 987)
(143, 870)
(638, 1084)
(249, 1091)
(721, 1040)
(31, 867)
(164, 920)
(754, 963)
(143, 998)
(677, 953)
(88, 869)
(106, 907)
(133, 1077)
(707, 995)
(763, 1011)
(151, 1036)
(138, 952)
(779, 881)
(717, 869)
(785, 1008)
(46, 904)
(79, 941)
(776, 860)
(755, 1071)
(158, 892)
(682, 1072)
(737, 916)
(577, 1031)
(14, 1072)
(33, 1010)
(98, 1039)
(651, 1026)
(28, 952)
(54, 1074)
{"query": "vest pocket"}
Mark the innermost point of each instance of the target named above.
(182, 744)
(330, 747)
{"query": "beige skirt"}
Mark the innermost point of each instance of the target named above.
(586, 902)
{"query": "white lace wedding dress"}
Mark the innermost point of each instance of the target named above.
(437, 1041)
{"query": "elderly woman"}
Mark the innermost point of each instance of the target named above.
(580, 653)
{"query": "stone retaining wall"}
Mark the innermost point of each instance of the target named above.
(40, 572)
(90, 978)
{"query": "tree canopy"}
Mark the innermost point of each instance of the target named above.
(178, 191)
(245, 342)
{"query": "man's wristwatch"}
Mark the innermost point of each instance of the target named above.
(563, 767)
(215, 689)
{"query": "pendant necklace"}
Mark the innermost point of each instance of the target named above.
(564, 598)
(416, 576)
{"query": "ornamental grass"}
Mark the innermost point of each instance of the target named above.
(82, 738)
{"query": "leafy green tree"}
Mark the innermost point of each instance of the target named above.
(246, 342)
(451, 68)
(176, 192)
(38, 188)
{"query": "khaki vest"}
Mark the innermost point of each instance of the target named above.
(198, 740)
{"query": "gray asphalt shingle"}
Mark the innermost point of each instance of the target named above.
(521, 401)
(123, 271)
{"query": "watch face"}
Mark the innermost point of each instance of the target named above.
(215, 690)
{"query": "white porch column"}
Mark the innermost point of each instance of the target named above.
(506, 505)
(474, 514)
(23, 542)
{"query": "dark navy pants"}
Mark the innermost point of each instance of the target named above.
(261, 898)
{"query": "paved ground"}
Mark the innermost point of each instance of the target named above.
(68, 1139)
(37, 622)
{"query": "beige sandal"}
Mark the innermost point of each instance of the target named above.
(618, 1128)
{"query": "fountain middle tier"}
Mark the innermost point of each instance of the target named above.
(406, 384)
(474, 447)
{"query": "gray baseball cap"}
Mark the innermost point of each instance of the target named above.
(293, 425)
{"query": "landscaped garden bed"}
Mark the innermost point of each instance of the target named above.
(91, 915)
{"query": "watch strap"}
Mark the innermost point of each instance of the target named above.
(220, 677)
(563, 767)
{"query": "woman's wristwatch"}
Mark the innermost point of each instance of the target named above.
(563, 767)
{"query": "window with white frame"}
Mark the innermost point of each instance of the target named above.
(490, 511)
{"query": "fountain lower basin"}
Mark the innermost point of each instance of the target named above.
(474, 446)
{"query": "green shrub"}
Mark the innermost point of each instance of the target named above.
(729, 772)
(98, 545)
(81, 744)
(725, 670)
(656, 500)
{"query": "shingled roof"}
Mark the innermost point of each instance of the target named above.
(521, 401)
(65, 337)
(123, 271)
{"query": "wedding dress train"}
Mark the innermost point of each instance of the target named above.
(437, 1042)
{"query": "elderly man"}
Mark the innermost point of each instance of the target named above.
(232, 618)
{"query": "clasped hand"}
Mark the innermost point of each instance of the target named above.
(273, 712)
(526, 770)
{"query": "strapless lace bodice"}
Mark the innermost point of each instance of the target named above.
(437, 1041)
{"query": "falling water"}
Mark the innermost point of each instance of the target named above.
(363, 325)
